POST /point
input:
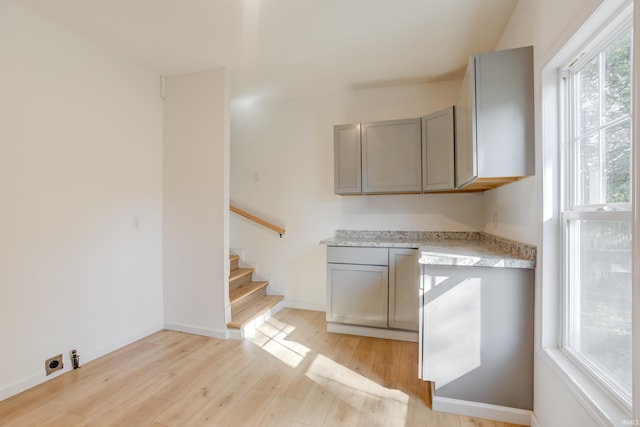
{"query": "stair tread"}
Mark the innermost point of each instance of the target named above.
(239, 272)
(251, 312)
(245, 290)
(232, 257)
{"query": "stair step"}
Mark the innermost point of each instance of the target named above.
(233, 262)
(243, 291)
(260, 306)
(239, 277)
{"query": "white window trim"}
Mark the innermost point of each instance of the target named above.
(604, 409)
(635, 226)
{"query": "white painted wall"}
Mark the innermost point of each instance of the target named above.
(516, 205)
(80, 158)
(548, 25)
(282, 169)
(545, 25)
(196, 200)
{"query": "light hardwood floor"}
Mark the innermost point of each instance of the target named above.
(291, 373)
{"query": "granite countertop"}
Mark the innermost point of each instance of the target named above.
(445, 248)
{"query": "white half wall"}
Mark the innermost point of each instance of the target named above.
(196, 202)
(80, 198)
(282, 170)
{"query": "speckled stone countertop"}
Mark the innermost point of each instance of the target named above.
(445, 248)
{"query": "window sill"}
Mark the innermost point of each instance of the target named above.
(602, 407)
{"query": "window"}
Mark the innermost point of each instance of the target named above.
(596, 214)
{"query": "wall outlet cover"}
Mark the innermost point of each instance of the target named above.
(53, 364)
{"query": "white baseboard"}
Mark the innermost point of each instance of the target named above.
(235, 334)
(534, 421)
(482, 410)
(196, 330)
(40, 377)
(364, 331)
(29, 382)
(85, 358)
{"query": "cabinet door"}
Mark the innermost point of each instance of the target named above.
(438, 172)
(465, 140)
(357, 294)
(404, 276)
(391, 157)
(347, 159)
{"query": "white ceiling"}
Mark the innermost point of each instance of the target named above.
(292, 46)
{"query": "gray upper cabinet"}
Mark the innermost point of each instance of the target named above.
(494, 118)
(391, 156)
(438, 171)
(347, 159)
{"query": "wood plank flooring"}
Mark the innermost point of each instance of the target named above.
(291, 373)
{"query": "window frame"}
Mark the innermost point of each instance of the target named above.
(570, 210)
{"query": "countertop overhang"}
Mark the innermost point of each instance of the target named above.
(476, 249)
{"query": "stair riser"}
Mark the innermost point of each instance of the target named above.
(238, 294)
(245, 302)
(239, 281)
(233, 264)
(264, 304)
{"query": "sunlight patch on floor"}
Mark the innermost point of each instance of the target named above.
(271, 337)
(355, 389)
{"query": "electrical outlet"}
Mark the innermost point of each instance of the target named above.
(53, 364)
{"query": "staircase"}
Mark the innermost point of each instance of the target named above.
(250, 303)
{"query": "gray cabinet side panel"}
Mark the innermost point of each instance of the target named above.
(438, 172)
(391, 156)
(504, 113)
(465, 138)
(347, 159)
(478, 334)
(404, 273)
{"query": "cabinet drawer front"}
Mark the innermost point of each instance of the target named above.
(357, 255)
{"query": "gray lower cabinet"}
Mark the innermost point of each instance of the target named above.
(357, 294)
(374, 287)
(477, 333)
(438, 162)
(391, 156)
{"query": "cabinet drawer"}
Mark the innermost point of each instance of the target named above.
(357, 255)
